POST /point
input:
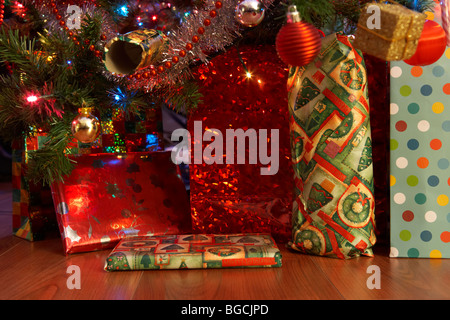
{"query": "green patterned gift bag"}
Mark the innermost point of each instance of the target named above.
(333, 212)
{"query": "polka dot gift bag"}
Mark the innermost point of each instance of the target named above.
(420, 158)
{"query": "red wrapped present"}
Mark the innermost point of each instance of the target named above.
(33, 209)
(110, 196)
(119, 134)
(243, 89)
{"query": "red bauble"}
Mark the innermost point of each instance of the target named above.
(298, 43)
(431, 47)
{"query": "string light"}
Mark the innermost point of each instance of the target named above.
(32, 98)
(123, 10)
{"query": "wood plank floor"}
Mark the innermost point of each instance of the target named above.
(38, 270)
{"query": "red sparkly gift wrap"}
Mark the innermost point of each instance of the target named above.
(33, 209)
(110, 196)
(244, 88)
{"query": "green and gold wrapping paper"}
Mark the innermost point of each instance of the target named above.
(398, 35)
(130, 52)
(333, 214)
(194, 251)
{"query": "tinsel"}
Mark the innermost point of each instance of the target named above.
(87, 8)
(222, 31)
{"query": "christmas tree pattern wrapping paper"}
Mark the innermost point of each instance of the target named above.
(111, 196)
(333, 213)
(420, 158)
(194, 251)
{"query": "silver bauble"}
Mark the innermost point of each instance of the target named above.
(250, 13)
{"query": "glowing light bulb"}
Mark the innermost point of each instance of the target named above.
(32, 98)
(123, 11)
(248, 75)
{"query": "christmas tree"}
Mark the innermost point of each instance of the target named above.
(53, 59)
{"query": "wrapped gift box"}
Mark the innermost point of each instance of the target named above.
(121, 134)
(235, 197)
(420, 157)
(111, 196)
(33, 210)
(396, 37)
(194, 251)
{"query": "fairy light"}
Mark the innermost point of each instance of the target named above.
(248, 75)
(123, 11)
(32, 98)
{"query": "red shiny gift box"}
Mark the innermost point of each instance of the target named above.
(110, 196)
(243, 89)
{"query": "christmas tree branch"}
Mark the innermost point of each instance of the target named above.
(185, 96)
(49, 163)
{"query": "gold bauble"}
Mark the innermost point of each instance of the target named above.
(85, 126)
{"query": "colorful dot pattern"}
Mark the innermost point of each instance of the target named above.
(420, 159)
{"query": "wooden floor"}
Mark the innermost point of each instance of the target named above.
(38, 270)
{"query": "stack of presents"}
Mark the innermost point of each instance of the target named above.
(363, 160)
